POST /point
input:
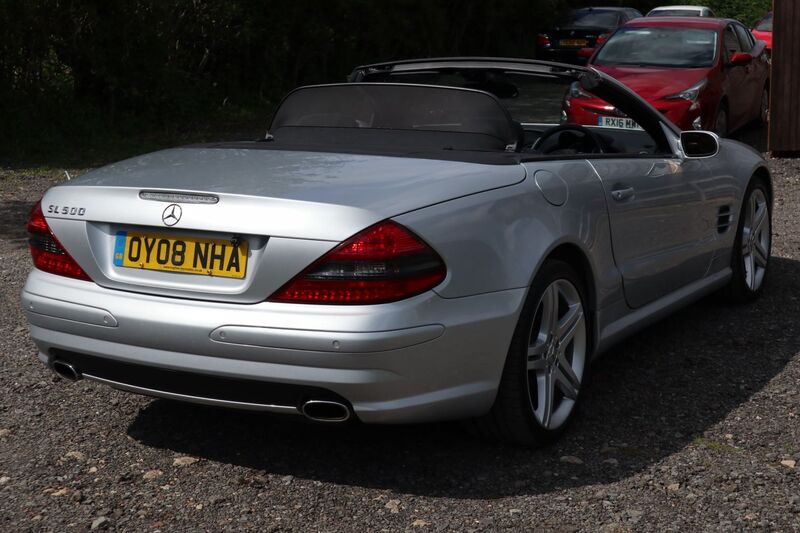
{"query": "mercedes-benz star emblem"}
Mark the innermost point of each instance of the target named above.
(172, 214)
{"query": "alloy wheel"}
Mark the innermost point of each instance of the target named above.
(764, 106)
(756, 239)
(721, 124)
(557, 350)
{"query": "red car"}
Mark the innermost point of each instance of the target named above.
(763, 31)
(701, 73)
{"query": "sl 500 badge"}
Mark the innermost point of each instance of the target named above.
(66, 210)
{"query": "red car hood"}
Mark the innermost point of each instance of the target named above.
(653, 83)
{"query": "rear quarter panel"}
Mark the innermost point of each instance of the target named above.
(497, 240)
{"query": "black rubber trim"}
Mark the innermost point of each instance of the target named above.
(194, 384)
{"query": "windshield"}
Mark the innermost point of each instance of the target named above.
(540, 102)
(674, 13)
(592, 18)
(765, 24)
(660, 47)
(527, 98)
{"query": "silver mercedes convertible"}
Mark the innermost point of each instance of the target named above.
(431, 240)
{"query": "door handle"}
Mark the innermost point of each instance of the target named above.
(621, 195)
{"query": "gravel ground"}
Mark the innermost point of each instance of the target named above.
(693, 424)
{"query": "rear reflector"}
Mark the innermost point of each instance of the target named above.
(383, 263)
(48, 254)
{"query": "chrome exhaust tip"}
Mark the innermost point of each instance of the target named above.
(325, 411)
(66, 370)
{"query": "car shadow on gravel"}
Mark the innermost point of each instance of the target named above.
(648, 398)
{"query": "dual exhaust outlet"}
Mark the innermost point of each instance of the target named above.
(326, 411)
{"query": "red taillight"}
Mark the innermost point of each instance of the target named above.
(601, 39)
(543, 39)
(383, 263)
(48, 254)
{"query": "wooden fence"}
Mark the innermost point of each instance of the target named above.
(784, 124)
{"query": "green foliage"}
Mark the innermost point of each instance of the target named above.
(746, 11)
(76, 73)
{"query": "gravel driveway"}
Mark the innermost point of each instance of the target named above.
(693, 424)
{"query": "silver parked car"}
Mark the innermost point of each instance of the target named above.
(429, 241)
(681, 11)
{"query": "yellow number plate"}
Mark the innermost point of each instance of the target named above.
(186, 255)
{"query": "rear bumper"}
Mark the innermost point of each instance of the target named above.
(425, 358)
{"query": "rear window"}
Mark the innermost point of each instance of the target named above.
(539, 103)
(526, 98)
(674, 13)
(765, 24)
(585, 18)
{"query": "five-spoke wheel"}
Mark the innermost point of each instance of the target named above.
(547, 362)
(751, 251)
(556, 353)
(755, 239)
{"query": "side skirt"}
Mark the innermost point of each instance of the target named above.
(655, 311)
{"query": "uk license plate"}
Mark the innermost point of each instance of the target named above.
(185, 255)
(574, 42)
(618, 122)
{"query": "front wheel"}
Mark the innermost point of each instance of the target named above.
(763, 110)
(547, 362)
(753, 245)
(721, 122)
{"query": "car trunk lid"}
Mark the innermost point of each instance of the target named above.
(288, 209)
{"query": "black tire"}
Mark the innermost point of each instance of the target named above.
(739, 290)
(763, 114)
(721, 124)
(512, 418)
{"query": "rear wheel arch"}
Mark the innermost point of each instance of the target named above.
(573, 255)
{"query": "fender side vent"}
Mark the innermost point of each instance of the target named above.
(724, 219)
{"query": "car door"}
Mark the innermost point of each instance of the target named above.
(662, 213)
(735, 80)
(755, 73)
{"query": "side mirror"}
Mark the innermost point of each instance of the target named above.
(741, 58)
(585, 53)
(699, 144)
